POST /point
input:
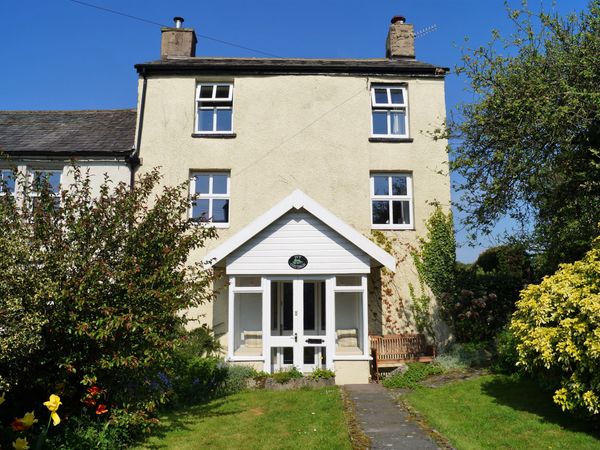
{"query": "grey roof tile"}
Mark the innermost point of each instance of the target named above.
(67, 133)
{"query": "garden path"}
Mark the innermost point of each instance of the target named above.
(385, 422)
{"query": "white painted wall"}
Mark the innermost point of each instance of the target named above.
(297, 232)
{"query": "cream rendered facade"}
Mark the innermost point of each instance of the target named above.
(307, 132)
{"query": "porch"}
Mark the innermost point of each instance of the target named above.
(308, 321)
(297, 291)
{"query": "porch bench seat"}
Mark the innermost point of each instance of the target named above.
(348, 351)
(394, 349)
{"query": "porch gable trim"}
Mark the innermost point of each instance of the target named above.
(299, 200)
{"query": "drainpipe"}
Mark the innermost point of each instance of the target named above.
(134, 160)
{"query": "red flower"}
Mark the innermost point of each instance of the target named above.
(101, 409)
(94, 391)
(17, 425)
(89, 402)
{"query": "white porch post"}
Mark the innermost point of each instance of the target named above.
(298, 290)
(329, 322)
(365, 316)
(266, 322)
(230, 316)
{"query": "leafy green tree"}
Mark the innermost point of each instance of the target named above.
(528, 146)
(92, 291)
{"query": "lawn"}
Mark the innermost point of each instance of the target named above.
(258, 420)
(497, 412)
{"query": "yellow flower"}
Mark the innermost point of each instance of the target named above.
(55, 418)
(52, 406)
(53, 403)
(2, 399)
(21, 444)
(28, 419)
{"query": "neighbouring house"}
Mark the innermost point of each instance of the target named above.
(48, 143)
(297, 162)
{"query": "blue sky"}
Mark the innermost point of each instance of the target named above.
(58, 54)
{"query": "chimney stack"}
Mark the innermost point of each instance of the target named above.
(177, 42)
(400, 39)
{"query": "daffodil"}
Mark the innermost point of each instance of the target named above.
(52, 404)
(2, 399)
(21, 444)
(29, 419)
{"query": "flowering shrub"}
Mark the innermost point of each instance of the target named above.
(90, 293)
(557, 328)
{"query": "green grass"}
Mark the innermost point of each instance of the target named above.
(258, 420)
(498, 412)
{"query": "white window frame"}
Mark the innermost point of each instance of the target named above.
(390, 198)
(388, 107)
(210, 196)
(205, 105)
(31, 171)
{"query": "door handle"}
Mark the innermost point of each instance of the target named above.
(295, 337)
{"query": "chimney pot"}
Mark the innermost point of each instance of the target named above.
(178, 21)
(400, 41)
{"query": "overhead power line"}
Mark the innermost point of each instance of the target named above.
(151, 22)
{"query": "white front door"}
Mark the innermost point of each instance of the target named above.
(298, 323)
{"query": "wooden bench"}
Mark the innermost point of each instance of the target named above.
(393, 349)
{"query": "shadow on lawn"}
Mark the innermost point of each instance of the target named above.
(180, 418)
(526, 395)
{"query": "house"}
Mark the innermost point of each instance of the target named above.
(297, 162)
(47, 144)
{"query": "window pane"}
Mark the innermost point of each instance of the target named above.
(399, 185)
(224, 119)
(398, 122)
(381, 96)
(248, 281)
(381, 212)
(222, 92)
(401, 212)
(348, 323)
(397, 96)
(8, 179)
(247, 309)
(309, 307)
(220, 184)
(206, 91)
(205, 119)
(202, 184)
(380, 122)
(380, 185)
(220, 211)
(52, 178)
(348, 280)
(200, 210)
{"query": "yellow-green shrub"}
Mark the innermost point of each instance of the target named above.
(557, 326)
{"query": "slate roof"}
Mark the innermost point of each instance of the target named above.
(67, 133)
(210, 65)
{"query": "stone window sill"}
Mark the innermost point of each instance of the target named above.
(214, 135)
(389, 139)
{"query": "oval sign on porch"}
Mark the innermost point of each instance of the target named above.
(298, 262)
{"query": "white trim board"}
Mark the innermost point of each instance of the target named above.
(299, 200)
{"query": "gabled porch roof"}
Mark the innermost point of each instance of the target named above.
(295, 201)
